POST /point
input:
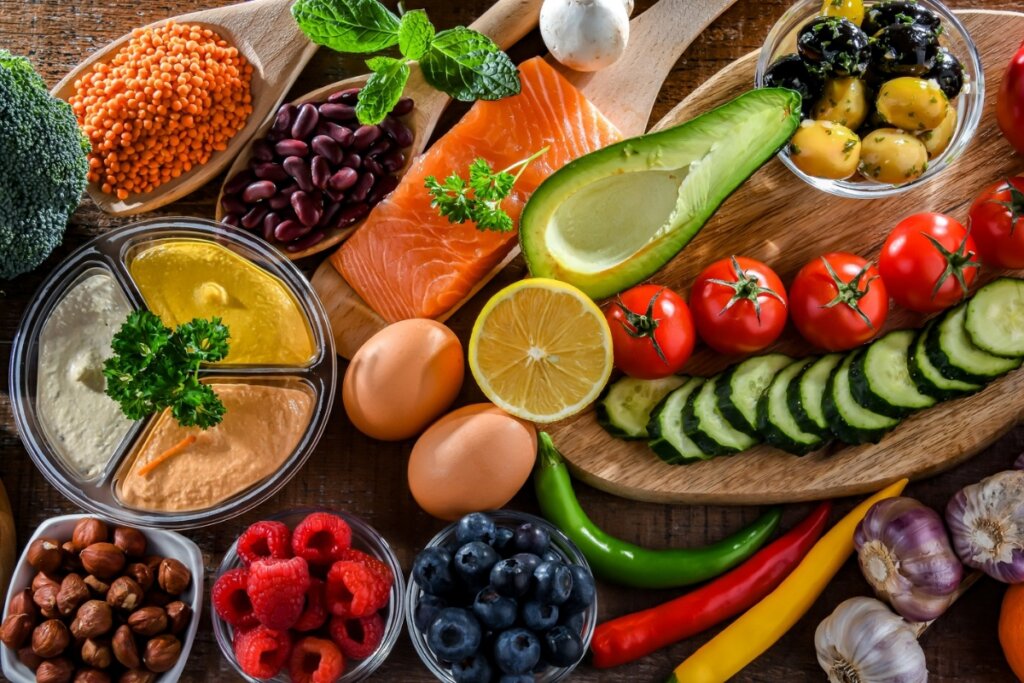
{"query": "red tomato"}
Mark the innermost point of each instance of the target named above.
(996, 223)
(738, 305)
(838, 301)
(1010, 103)
(652, 332)
(928, 262)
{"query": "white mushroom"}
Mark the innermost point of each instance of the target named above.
(585, 35)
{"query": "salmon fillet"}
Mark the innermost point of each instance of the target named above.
(406, 260)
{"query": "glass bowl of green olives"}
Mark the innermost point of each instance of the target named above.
(892, 92)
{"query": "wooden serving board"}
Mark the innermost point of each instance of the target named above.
(777, 218)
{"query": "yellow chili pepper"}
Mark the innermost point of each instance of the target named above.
(762, 625)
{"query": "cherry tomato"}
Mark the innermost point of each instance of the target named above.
(652, 331)
(838, 301)
(928, 262)
(738, 305)
(997, 223)
(1010, 102)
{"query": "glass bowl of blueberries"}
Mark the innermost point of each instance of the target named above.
(501, 596)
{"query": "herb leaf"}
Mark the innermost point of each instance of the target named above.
(347, 25)
(415, 34)
(382, 90)
(469, 66)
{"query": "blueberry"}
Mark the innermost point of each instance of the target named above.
(562, 646)
(432, 570)
(473, 562)
(454, 635)
(426, 610)
(475, 669)
(573, 622)
(516, 651)
(503, 541)
(511, 577)
(539, 617)
(583, 590)
(517, 678)
(529, 560)
(554, 582)
(551, 555)
(475, 527)
(530, 538)
(494, 611)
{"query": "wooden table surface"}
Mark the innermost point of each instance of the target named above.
(354, 473)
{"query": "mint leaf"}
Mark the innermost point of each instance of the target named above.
(415, 34)
(469, 66)
(347, 25)
(382, 90)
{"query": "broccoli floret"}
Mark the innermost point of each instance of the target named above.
(43, 164)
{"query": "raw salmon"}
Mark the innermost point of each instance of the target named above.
(407, 261)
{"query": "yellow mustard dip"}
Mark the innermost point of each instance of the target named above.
(185, 279)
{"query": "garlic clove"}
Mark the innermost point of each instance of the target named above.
(585, 35)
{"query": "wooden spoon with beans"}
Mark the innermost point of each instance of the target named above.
(267, 36)
(506, 22)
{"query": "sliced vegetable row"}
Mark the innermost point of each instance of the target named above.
(798, 405)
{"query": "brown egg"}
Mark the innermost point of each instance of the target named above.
(402, 378)
(474, 458)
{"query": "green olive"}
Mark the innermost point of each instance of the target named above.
(824, 149)
(912, 104)
(847, 9)
(892, 156)
(937, 140)
(845, 101)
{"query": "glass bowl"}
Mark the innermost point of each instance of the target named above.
(508, 518)
(365, 538)
(781, 41)
(111, 253)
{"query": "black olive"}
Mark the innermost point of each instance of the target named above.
(794, 73)
(904, 50)
(837, 44)
(949, 73)
(885, 14)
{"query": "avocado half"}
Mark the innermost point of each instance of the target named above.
(612, 218)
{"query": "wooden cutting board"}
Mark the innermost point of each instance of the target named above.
(777, 218)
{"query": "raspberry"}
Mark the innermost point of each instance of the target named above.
(231, 601)
(314, 614)
(357, 638)
(277, 589)
(321, 537)
(315, 660)
(370, 562)
(261, 652)
(354, 590)
(264, 540)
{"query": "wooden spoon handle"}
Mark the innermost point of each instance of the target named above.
(507, 21)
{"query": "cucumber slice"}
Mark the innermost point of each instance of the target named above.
(851, 422)
(668, 440)
(995, 318)
(927, 377)
(742, 386)
(806, 392)
(775, 421)
(880, 378)
(625, 408)
(955, 356)
(704, 424)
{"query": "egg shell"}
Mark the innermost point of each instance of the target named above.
(474, 458)
(402, 378)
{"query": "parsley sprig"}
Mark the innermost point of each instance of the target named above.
(452, 198)
(154, 368)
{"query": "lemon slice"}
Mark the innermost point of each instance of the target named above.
(541, 350)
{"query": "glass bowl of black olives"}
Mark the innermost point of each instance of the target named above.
(892, 92)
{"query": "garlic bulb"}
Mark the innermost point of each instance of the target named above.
(585, 35)
(862, 641)
(986, 521)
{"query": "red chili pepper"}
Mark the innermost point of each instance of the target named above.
(632, 636)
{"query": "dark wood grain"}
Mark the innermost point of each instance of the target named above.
(368, 478)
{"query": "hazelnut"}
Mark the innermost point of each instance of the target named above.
(153, 562)
(58, 670)
(97, 653)
(131, 541)
(137, 676)
(44, 554)
(141, 574)
(45, 598)
(104, 560)
(69, 558)
(148, 621)
(88, 531)
(28, 658)
(125, 594)
(93, 619)
(21, 603)
(15, 630)
(124, 647)
(41, 579)
(157, 598)
(73, 592)
(173, 576)
(50, 638)
(96, 585)
(178, 614)
(91, 676)
(161, 653)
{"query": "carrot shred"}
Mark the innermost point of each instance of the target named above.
(167, 455)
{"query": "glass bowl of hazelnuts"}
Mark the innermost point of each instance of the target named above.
(94, 602)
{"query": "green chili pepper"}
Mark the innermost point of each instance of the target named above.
(628, 564)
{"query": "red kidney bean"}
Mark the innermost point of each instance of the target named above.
(289, 230)
(270, 221)
(340, 134)
(362, 188)
(350, 214)
(279, 201)
(348, 96)
(306, 208)
(381, 189)
(397, 131)
(239, 182)
(262, 150)
(371, 165)
(231, 219)
(261, 189)
(403, 106)
(325, 146)
(392, 161)
(306, 242)
(305, 121)
(283, 121)
(270, 171)
(379, 147)
(330, 211)
(365, 136)
(352, 160)
(320, 171)
(298, 170)
(233, 204)
(338, 111)
(254, 217)
(291, 148)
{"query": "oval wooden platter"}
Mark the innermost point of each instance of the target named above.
(777, 218)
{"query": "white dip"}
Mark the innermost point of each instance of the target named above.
(82, 424)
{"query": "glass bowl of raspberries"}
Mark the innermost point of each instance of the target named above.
(309, 594)
(501, 596)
